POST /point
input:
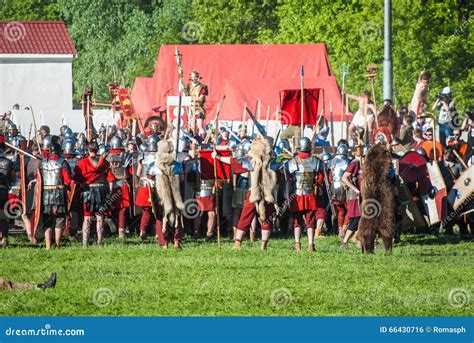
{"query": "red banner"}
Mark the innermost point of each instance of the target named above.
(126, 104)
(291, 106)
(207, 165)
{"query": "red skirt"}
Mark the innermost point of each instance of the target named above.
(121, 197)
(206, 204)
(303, 203)
(143, 197)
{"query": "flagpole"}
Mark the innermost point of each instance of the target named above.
(302, 101)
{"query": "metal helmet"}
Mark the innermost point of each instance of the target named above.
(68, 133)
(81, 138)
(121, 133)
(305, 145)
(102, 129)
(55, 149)
(102, 150)
(143, 147)
(63, 129)
(116, 142)
(153, 143)
(45, 128)
(326, 156)
(342, 150)
(233, 144)
(69, 147)
(47, 142)
(111, 130)
(184, 144)
(284, 144)
(422, 152)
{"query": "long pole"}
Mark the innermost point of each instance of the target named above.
(22, 151)
(346, 119)
(38, 140)
(216, 191)
(387, 55)
(332, 124)
(302, 101)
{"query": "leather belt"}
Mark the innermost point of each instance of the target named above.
(53, 187)
(96, 185)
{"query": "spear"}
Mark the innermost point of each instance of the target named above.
(21, 151)
(216, 192)
(332, 124)
(244, 130)
(302, 100)
(38, 140)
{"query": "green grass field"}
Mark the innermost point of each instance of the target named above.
(425, 275)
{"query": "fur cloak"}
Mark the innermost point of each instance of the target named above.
(263, 179)
(378, 205)
(167, 183)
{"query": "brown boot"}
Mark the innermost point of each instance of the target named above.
(298, 246)
(318, 233)
(310, 247)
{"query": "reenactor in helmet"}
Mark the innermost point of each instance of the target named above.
(44, 131)
(7, 176)
(306, 206)
(92, 174)
(120, 165)
(69, 151)
(146, 171)
(56, 176)
(336, 168)
(240, 188)
(259, 201)
(352, 179)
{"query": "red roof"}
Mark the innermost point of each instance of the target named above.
(35, 37)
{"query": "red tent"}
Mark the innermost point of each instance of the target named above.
(244, 73)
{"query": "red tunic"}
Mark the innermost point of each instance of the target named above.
(86, 173)
(308, 202)
(121, 195)
(143, 194)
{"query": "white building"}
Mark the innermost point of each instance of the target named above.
(36, 69)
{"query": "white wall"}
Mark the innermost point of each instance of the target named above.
(43, 81)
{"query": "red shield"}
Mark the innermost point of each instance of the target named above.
(38, 199)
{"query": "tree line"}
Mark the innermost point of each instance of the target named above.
(119, 40)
